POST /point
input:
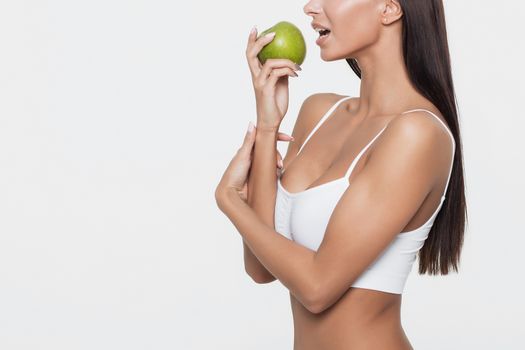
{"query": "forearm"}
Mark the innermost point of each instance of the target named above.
(291, 263)
(262, 184)
(259, 188)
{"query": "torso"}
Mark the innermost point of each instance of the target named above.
(362, 318)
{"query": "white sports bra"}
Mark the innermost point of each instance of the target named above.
(303, 217)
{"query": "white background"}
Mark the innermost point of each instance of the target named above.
(117, 119)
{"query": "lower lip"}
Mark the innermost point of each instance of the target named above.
(322, 39)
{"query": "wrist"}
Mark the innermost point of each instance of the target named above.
(264, 128)
(265, 137)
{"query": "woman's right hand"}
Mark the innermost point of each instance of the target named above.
(271, 92)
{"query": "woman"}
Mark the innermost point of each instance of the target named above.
(379, 180)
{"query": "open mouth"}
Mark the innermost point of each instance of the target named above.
(323, 32)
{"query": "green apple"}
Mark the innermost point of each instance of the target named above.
(288, 43)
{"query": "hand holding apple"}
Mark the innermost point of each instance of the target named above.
(270, 80)
(288, 43)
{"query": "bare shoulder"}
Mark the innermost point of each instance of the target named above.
(312, 110)
(415, 138)
(420, 129)
(423, 125)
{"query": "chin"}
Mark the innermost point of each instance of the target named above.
(327, 57)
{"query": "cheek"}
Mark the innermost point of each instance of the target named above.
(362, 30)
(357, 23)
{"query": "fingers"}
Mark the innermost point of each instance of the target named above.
(281, 136)
(275, 75)
(249, 139)
(255, 45)
(274, 63)
(279, 160)
(273, 69)
(253, 48)
(253, 61)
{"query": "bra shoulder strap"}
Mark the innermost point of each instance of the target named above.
(356, 159)
(453, 143)
(322, 120)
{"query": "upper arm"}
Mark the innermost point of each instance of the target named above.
(310, 113)
(377, 205)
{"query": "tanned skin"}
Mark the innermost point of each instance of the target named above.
(370, 31)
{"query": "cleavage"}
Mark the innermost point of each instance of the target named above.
(345, 151)
(317, 157)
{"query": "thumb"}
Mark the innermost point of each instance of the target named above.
(249, 138)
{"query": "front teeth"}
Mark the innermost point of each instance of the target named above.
(319, 30)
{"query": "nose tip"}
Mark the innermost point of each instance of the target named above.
(305, 10)
(308, 9)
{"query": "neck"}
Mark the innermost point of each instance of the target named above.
(385, 86)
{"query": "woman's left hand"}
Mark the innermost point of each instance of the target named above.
(236, 174)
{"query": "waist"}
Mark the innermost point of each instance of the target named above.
(353, 322)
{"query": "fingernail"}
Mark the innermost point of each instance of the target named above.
(270, 35)
(280, 163)
(292, 138)
(254, 29)
(298, 67)
(250, 127)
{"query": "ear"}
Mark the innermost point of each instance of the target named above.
(391, 12)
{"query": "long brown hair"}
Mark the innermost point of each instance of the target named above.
(427, 58)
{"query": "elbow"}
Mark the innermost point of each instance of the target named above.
(317, 301)
(262, 278)
(312, 294)
(316, 306)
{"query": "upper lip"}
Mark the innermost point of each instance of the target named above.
(316, 25)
